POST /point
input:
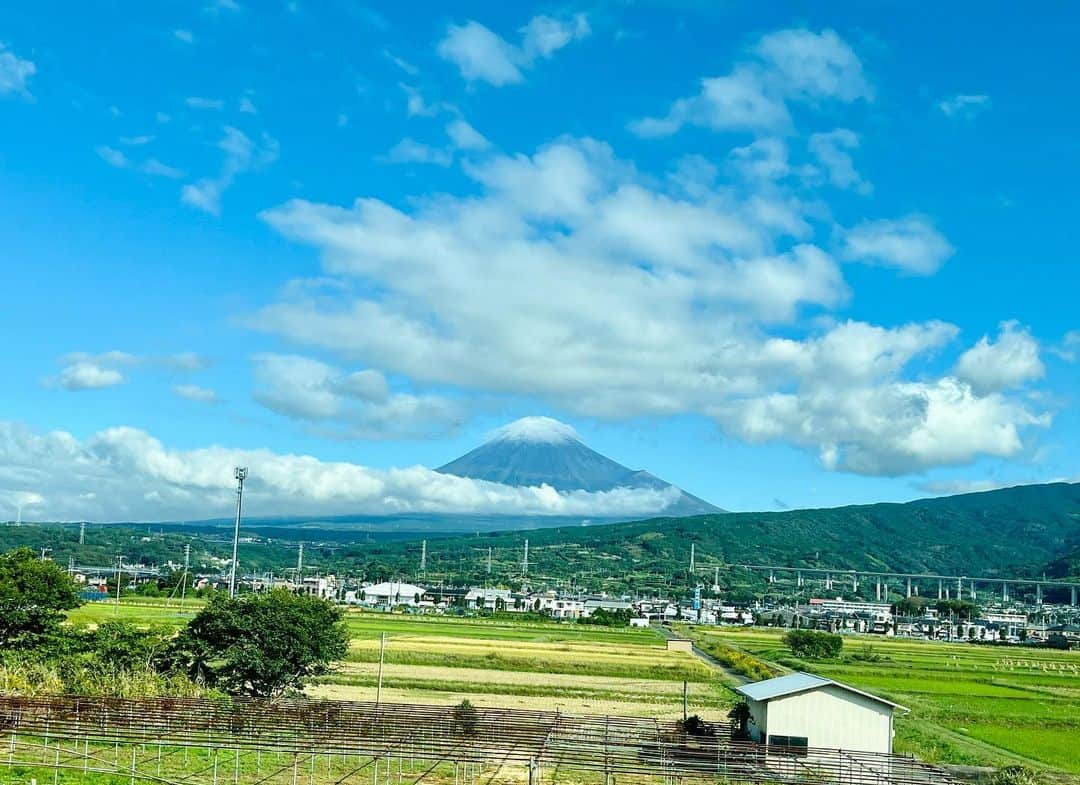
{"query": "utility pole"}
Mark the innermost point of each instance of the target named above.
(119, 577)
(382, 654)
(240, 473)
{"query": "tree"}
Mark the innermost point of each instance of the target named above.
(262, 645)
(813, 644)
(33, 597)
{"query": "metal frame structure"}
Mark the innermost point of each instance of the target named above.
(196, 741)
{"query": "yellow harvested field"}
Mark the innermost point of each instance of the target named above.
(671, 709)
(482, 676)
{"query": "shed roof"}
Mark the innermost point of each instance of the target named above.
(794, 683)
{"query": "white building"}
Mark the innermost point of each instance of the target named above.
(803, 710)
(491, 599)
(390, 594)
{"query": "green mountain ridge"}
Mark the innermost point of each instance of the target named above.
(1017, 531)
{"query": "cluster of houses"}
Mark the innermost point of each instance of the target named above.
(839, 615)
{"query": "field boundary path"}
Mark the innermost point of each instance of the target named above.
(732, 677)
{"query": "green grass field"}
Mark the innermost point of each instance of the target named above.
(969, 704)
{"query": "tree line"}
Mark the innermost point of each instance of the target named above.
(265, 645)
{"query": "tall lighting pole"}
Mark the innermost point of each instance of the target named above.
(240, 474)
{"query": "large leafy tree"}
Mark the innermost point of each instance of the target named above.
(33, 597)
(262, 645)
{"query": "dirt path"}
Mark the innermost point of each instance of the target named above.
(732, 678)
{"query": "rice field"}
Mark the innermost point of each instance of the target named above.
(528, 665)
(501, 662)
(979, 705)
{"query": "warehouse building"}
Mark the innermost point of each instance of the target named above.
(801, 710)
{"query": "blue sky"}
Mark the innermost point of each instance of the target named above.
(791, 255)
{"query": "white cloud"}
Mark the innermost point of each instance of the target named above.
(69, 479)
(831, 151)
(965, 106)
(569, 277)
(739, 101)
(887, 429)
(15, 73)
(814, 65)
(788, 65)
(543, 36)
(194, 392)
(215, 7)
(761, 160)
(401, 63)
(162, 117)
(357, 405)
(195, 102)
(910, 244)
(481, 55)
(464, 137)
(1010, 361)
(1069, 348)
(241, 154)
(113, 157)
(247, 106)
(408, 150)
(86, 371)
(89, 376)
(185, 36)
(136, 141)
(155, 167)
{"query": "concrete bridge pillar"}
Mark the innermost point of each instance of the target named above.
(1038, 594)
(1073, 600)
(908, 594)
(798, 579)
(854, 582)
(877, 590)
(1004, 591)
(940, 590)
(971, 592)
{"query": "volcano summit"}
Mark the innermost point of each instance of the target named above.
(536, 451)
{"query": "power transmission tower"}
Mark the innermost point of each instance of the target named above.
(489, 561)
(692, 555)
(423, 557)
(82, 533)
(300, 565)
(525, 561)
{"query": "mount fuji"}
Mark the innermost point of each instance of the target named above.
(535, 451)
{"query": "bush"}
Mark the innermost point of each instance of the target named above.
(466, 718)
(736, 660)
(1015, 775)
(813, 645)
